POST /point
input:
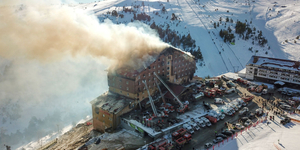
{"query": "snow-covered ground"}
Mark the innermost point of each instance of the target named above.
(38, 96)
(266, 137)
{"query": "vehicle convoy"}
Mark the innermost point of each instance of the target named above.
(181, 137)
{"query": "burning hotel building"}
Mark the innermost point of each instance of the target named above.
(127, 90)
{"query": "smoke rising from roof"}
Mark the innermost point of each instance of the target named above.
(38, 30)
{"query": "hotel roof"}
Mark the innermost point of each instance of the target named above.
(275, 62)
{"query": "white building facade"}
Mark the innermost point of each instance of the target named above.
(273, 69)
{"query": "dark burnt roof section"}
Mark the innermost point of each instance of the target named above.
(130, 73)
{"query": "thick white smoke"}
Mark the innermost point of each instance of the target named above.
(52, 63)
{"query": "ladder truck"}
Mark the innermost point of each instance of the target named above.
(151, 100)
(165, 105)
(182, 107)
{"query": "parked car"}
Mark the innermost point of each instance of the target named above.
(188, 128)
(194, 125)
(227, 132)
(208, 145)
(199, 122)
(207, 106)
(230, 84)
(221, 135)
(232, 90)
(217, 140)
(285, 106)
(285, 120)
(289, 93)
(239, 126)
(219, 101)
(247, 122)
(207, 122)
(243, 110)
(225, 78)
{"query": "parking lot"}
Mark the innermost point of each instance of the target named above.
(207, 134)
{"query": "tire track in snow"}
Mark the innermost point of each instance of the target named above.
(207, 31)
(228, 47)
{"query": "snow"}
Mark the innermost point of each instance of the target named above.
(276, 22)
(266, 137)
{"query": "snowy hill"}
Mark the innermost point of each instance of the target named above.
(36, 92)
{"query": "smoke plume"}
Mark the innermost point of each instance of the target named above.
(52, 64)
(47, 32)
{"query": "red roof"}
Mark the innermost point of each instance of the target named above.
(177, 90)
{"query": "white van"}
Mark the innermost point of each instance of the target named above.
(188, 128)
(219, 101)
(200, 122)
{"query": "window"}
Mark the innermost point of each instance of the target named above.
(149, 74)
(120, 86)
(168, 68)
(144, 75)
(168, 62)
(110, 118)
(153, 67)
(103, 121)
(127, 94)
(120, 91)
(127, 88)
(103, 115)
(158, 66)
(158, 71)
(126, 82)
(158, 59)
(120, 80)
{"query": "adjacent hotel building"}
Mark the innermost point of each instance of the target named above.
(273, 69)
